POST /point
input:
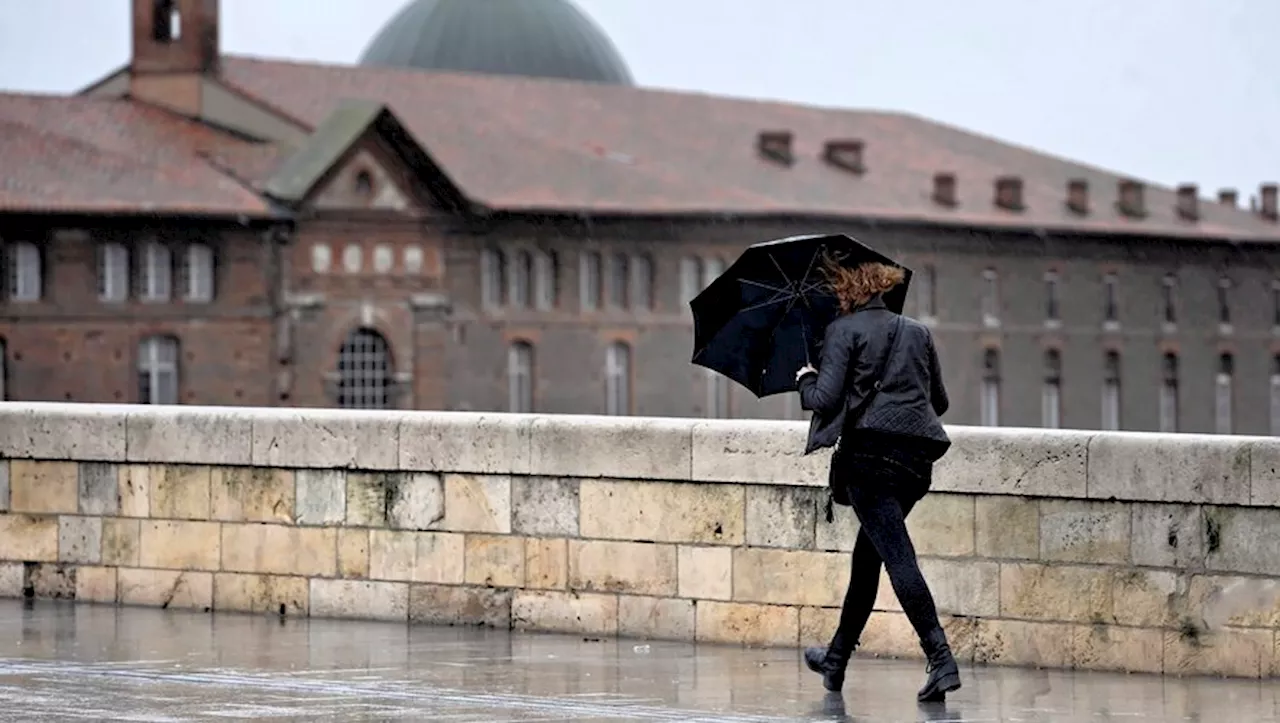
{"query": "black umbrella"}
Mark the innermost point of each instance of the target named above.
(764, 317)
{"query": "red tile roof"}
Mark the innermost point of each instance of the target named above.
(86, 155)
(530, 144)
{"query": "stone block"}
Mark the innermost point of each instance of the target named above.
(1232, 652)
(790, 577)
(353, 553)
(4, 485)
(52, 581)
(841, 533)
(359, 599)
(494, 560)
(80, 539)
(411, 501)
(180, 545)
(99, 494)
(477, 503)
(781, 516)
(1057, 593)
(12, 579)
(40, 430)
(1107, 647)
(172, 589)
(134, 489)
(1211, 469)
(546, 563)
(252, 494)
(818, 625)
(1264, 472)
(654, 618)
(190, 435)
(279, 550)
(121, 542)
(890, 635)
(565, 612)
(1007, 527)
(180, 491)
(321, 496)
(44, 487)
(1025, 462)
(756, 451)
(632, 567)
(96, 584)
(942, 524)
(1084, 531)
(705, 573)
(963, 587)
(1148, 598)
(28, 538)
(325, 438)
(747, 624)
(1240, 539)
(546, 506)
(1168, 536)
(662, 511)
(451, 605)
(465, 442)
(1026, 643)
(1214, 601)
(629, 447)
(275, 594)
(436, 557)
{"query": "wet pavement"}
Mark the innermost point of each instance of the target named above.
(60, 661)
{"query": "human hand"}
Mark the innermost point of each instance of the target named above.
(806, 369)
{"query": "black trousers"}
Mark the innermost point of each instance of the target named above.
(882, 492)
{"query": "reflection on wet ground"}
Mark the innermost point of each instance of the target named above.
(81, 662)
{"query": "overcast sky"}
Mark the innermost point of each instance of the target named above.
(1167, 90)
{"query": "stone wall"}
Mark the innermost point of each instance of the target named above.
(1143, 553)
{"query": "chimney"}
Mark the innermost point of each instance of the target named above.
(1078, 196)
(1228, 197)
(1130, 201)
(944, 189)
(1009, 193)
(175, 46)
(776, 146)
(1188, 202)
(846, 154)
(1270, 209)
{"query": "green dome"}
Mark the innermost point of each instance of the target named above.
(534, 38)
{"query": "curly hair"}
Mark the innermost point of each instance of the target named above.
(856, 285)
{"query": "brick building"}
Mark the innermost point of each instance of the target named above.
(210, 229)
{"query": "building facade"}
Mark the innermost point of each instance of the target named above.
(205, 229)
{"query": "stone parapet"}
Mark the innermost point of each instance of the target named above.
(1135, 552)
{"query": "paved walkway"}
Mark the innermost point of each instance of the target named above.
(68, 662)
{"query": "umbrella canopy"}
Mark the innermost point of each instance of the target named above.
(764, 317)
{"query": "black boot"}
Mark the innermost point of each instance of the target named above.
(830, 665)
(944, 674)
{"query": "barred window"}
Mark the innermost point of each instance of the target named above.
(364, 371)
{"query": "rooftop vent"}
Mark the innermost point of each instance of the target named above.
(944, 189)
(1009, 193)
(1228, 197)
(776, 146)
(1270, 209)
(1131, 201)
(846, 154)
(1078, 196)
(1188, 202)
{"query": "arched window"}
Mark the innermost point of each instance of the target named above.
(492, 277)
(617, 379)
(158, 370)
(1169, 394)
(4, 370)
(717, 395)
(927, 292)
(521, 278)
(26, 272)
(547, 274)
(197, 273)
(1222, 394)
(1051, 396)
(155, 272)
(991, 299)
(113, 272)
(690, 280)
(990, 402)
(520, 377)
(364, 371)
(1111, 392)
(619, 281)
(641, 282)
(589, 271)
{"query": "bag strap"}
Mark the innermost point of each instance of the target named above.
(884, 362)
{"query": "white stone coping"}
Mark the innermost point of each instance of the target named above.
(1198, 469)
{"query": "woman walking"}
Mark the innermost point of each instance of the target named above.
(877, 396)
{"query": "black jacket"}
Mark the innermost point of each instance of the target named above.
(912, 396)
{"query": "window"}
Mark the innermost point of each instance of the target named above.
(26, 277)
(619, 280)
(1275, 304)
(547, 273)
(1051, 311)
(1224, 301)
(520, 279)
(690, 280)
(1275, 394)
(589, 280)
(491, 278)
(1110, 304)
(4, 371)
(383, 259)
(991, 298)
(113, 272)
(197, 273)
(1111, 392)
(158, 370)
(990, 402)
(926, 292)
(413, 260)
(520, 378)
(711, 271)
(166, 21)
(321, 258)
(1169, 394)
(717, 395)
(617, 385)
(364, 371)
(642, 282)
(1051, 396)
(1168, 290)
(352, 259)
(364, 184)
(155, 272)
(1222, 394)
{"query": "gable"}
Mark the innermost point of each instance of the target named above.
(362, 180)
